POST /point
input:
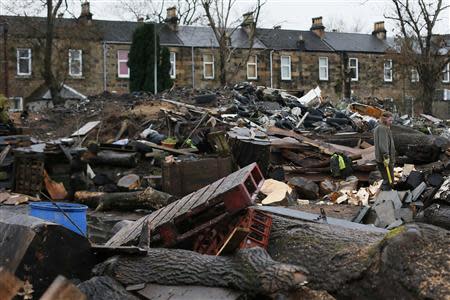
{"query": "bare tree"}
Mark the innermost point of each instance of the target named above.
(218, 13)
(356, 25)
(419, 45)
(187, 10)
(53, 9)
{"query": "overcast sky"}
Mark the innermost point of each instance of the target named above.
(290, 14)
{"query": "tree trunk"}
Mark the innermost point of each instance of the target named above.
(428, 91)
(407, 263)
(49, 77)
(104, 287)
(127, 201)
(250, 270)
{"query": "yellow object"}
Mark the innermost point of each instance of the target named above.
(341, 162)
(386, 165)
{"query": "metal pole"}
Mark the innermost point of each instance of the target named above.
(155, 67)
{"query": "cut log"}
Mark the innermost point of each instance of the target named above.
(435, 143)
(407, 263)
(38, 251)
(127, 201)
(62, 289)
(435, 214)
(114, 158)
(104, 287)
(250, 270)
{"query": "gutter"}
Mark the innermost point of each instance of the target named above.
(192, 67)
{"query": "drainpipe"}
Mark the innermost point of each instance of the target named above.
(5, 57)
(271, 69)
(193, 67)
(155, 61)
(104, 66)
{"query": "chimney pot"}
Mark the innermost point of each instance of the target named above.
(248, 23)
(379, 30)
(172, 18)
(317, 27)
(85, 11)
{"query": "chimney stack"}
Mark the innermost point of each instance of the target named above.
(85, 12)
(379, 31)
(172, 18)
(140, 19)
(317, 27)
(248, 23)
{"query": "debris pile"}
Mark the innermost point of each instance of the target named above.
(218, 192)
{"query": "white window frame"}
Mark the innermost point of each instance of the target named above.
(173, 65)
(414, 75)
(323, 78)
(286, 65)
(12, 101)
(446, 73)
(71, 61)
(256, 68)
(356, 67)
(390, 78)
(29, 58)
(119, 61)
(208, 63)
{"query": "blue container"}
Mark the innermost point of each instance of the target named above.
(50, 212)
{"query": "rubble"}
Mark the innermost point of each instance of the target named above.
(221, 180)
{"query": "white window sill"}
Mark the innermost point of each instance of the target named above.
(76, 77)
(123, 77)
(208, 78)
(23, 76)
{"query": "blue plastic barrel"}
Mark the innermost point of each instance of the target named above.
(50, 212)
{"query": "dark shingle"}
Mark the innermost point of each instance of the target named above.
(355, 42)
(281, 39)
(195, 36)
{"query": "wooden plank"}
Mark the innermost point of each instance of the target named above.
(86, 128)
(159, 147)
(234, 240)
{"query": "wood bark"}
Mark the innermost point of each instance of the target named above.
(436, 144)
(436, 214)
(407, 263)
(126, 201)
(104, 287)
(113, 158)
(250, 270)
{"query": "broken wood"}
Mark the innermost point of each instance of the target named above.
(56, 190)
(104, 287)
(62, 289)
(38, 251)
(9, 284)
(250, 270)
(167, 149)
(126, 201)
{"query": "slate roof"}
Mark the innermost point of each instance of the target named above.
(282, 39)
(355, 42)
(195, 36)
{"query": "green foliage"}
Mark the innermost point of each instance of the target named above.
(141, 60)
